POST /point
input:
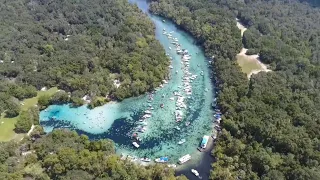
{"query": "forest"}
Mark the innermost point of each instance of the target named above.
(80, 47)
(65, 155)
(270, 122)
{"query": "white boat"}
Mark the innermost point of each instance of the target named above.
(148, 112)
(135, 144)
(142, 130)
(178, 113)
(195, 172)
(123, 156)
(170, 48)
(172, 98)
(177, 128)
(145, 159)
(146, 116)
(144, 123)
(162, 160)
(204, 142)
(214, 137)
(172, 165)
(184, 159)
(182, 141)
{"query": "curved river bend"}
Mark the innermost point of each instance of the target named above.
(118, 121)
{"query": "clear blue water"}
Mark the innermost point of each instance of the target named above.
(118, 121)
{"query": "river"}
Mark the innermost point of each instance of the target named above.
(118, 121)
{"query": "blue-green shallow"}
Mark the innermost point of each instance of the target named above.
(118, 121)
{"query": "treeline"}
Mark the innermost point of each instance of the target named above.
(64, 155)
(271, 123)
(78, 46)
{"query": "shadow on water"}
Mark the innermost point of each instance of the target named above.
(120, 131)
(203, 167)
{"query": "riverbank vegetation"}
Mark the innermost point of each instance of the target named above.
(271, 122)
(78, 46)
(64, 155)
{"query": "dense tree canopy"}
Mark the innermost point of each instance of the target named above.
(27, 119)
(79, 46)
(64, 155)
(271, 123)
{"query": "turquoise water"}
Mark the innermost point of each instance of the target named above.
(119, 121)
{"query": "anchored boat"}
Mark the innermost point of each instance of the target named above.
(182, 141)
(148, 112)
(145, 159)
(204, 143)
(162, 160)
(172, 165)
(195, 172)
(184, 159)
(135, 144)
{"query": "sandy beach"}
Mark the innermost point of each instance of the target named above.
(250, 59)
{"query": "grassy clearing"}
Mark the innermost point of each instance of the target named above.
(248, 64)
(7, 127)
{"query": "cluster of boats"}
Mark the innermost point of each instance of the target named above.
(179, 97)
(188, 78)
(217, 119)
(142, 123)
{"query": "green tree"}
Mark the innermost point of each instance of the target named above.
(47, 49)
(44, 101)
(24, 122)
(13, 108)
(60, 97)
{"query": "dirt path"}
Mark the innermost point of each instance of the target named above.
(31, 129)
(241, 27)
